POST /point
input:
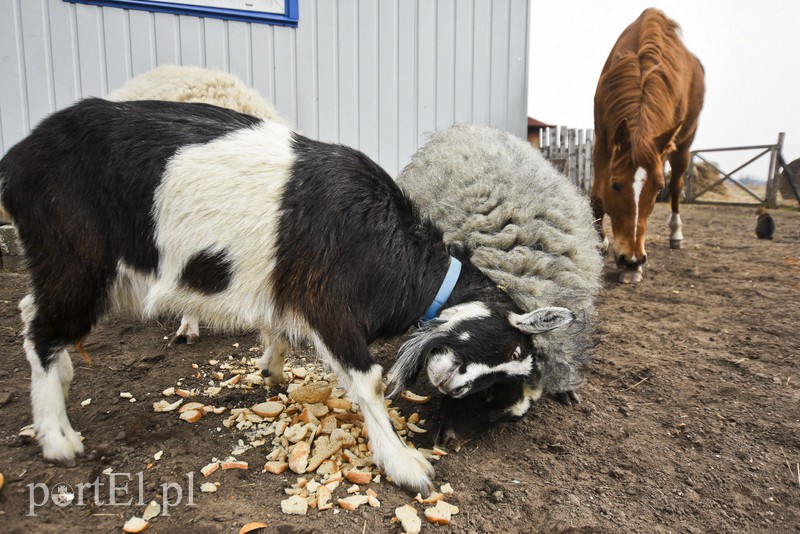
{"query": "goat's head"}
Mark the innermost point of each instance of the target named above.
(461, 420)
(474, 345)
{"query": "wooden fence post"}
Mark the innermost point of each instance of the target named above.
(689, 189)
(571, 152)
(580, 177)
(572, 156)
(773, 178)
(587, 186)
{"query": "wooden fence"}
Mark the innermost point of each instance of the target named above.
(570, 151)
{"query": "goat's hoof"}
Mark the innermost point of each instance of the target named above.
(276, 381)
(567, 398)
(675, 244)
(180, 339)
(273, 379)
(411, 472)
(61, 447)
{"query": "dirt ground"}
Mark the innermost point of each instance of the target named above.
(690, 420)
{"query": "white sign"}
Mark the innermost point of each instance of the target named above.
(259, 6)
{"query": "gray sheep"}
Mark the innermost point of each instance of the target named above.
(531, 231)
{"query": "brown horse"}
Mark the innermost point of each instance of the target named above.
(646, 106)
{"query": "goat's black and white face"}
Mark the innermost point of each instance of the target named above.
(472, 346)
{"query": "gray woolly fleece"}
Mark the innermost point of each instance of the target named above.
(527, 227)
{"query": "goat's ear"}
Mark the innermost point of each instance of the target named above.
(412, 356)
(542, 320)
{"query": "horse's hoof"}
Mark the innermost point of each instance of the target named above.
(675, 243)
(630, 277)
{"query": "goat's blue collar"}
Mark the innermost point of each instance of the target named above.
(449, 282)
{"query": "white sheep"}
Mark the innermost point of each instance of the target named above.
(532, 233)
(184, 83)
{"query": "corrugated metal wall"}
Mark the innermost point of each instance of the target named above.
(376, 75)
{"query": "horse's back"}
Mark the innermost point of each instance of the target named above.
(652, 42)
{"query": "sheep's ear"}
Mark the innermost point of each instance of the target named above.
(542, 320)
(412, 356)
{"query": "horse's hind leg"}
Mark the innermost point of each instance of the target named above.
(679, 163)
(51, 376)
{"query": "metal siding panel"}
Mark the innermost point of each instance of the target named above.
(388, 81)
(64, 46)
(517, 114)
(13, 112)
(216, 44)
(306, 65)
(168, 46)
(498, 104)
(482, 62)
(38, 64)
(327, 71)
(117, 47)
(191, 40)
(90, 50)
(369, 116)
(407, 81)
(445, 63)
(239, 51)
(347, 59)
(263, 61)
(377, 76)
(143, 41)
(285, 72)
(463, 62)
(426, 70)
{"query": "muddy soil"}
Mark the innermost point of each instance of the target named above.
(690, 420)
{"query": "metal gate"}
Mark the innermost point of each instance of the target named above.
(776, 162)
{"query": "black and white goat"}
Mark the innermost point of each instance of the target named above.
(242, 223)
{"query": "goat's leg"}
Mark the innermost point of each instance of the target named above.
(188, 332)
(51, 376)
(359, 373)
(407, 467)
(274, 357)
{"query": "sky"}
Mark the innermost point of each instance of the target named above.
(750, 51)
